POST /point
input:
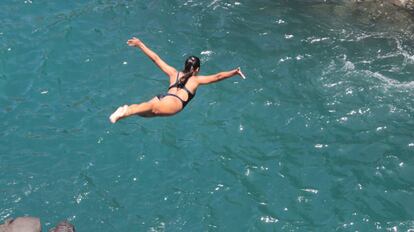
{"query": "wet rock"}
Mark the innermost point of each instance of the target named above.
(63, 226)
(407, 4)
(21, 224)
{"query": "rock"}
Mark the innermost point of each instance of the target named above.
(63, 226)
(21, 224)
(32, 224)
(408, 4)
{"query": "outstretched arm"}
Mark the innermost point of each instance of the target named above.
(204, 80)
(170, 71)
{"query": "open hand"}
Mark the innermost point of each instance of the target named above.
(238, 70)
(134, 42)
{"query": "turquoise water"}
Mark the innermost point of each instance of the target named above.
(318, 138)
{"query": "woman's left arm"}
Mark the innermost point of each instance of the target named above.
(167, 69)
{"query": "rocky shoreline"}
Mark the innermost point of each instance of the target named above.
(407, 4)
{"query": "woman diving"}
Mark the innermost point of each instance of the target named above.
(183, 86)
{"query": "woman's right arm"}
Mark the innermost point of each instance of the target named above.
(204, 80)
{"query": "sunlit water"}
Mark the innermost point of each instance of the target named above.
(318, 138)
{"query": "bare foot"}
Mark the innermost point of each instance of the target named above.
(115, 116)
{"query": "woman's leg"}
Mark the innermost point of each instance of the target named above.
(145, 109)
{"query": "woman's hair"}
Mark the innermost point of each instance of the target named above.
(192, 63)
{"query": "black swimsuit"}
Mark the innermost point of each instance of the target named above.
(178, 85)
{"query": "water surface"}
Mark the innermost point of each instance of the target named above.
(318, 138)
